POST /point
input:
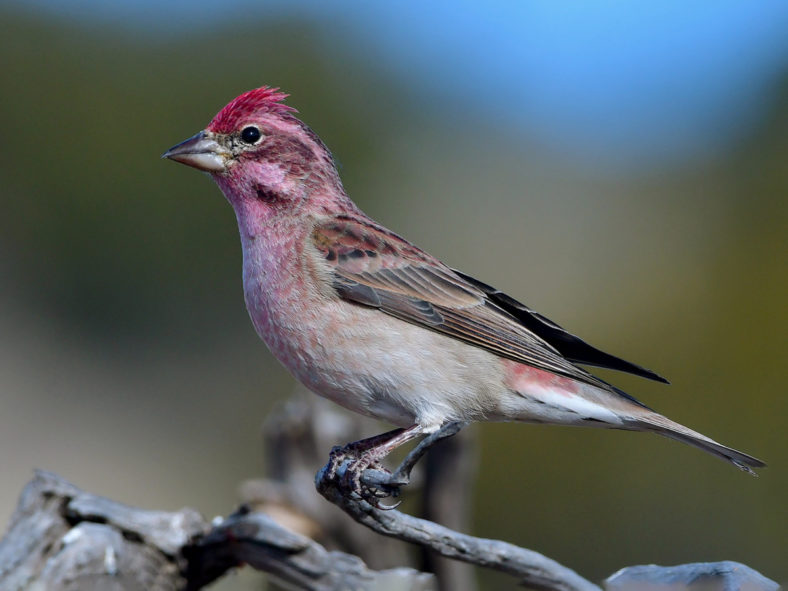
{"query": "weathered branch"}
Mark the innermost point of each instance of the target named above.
(62, 538)
(256, 540)
(533, 569)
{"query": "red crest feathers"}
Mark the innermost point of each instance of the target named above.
(264, 99)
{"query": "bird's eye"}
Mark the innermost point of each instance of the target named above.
(249, 135)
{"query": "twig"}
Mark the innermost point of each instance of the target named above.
(255, 539)
(533, 569)
(63, 539)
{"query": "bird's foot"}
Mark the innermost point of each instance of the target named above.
(356, 449)
(356, 468)
(360, 474)
(367, 478)
(347, 469)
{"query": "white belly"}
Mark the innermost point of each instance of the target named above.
(377, 365)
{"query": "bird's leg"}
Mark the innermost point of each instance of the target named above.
(371, 456)
(401, 475)
(349, 462)
(367, 453)
(353, 450)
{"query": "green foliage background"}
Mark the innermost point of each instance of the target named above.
(129, 365)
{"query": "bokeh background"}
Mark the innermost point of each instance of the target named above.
(620, 167)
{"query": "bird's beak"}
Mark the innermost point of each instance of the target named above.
(202, 152)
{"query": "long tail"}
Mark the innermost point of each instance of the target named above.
(664, 426)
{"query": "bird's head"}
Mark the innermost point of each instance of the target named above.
(262, 156)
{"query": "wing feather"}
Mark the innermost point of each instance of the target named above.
(570, 346)
(373, 267)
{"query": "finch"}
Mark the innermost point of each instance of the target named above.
(364, 318)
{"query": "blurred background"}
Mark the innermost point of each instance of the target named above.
(620, 167)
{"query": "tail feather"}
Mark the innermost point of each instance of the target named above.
(673, 430)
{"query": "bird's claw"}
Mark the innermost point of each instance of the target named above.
(382, 484)
(347, 470)
(355, 468)
(352, 479)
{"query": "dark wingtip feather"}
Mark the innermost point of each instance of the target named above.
(592, 356)
(570, 346)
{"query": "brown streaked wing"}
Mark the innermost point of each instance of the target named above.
(568, 345)
(374, 267)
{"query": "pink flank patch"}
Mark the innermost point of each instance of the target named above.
(259, 100)
(524, 378)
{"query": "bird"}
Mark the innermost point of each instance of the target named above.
(365, 318)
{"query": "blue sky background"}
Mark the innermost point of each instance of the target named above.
(608, 82)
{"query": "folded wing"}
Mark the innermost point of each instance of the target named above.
(373, 267)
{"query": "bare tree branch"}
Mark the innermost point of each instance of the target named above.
(699, 576)
(533, 569)
(61, 538)
(255, 539)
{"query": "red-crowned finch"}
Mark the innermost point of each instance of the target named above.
(365, 318)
